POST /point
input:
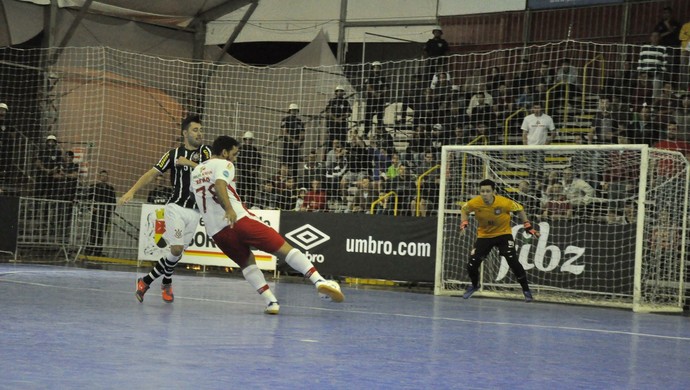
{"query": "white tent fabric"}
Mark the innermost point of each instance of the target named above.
(23, 21)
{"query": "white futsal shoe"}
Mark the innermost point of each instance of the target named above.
(272, 308)
(330, 289)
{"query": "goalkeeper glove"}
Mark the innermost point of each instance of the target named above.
(530, 229)
(463, 225)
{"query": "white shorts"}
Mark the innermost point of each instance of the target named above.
(180, 224)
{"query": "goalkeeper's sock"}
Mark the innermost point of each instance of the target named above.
(299, 262)
(255, 277)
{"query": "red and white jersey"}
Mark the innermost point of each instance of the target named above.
(203, 186)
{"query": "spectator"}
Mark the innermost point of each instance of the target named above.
(556, 207)
(292, 129)
(644, 129)
(622, 83)
(666, 104)
(104, 204)
(434, 48)
(426, 108)
(315, 199)
(336, 174)
(653, 61)
(480, 108)
(287, 196)
(358, 153)
(503, 103)
(299, 202)
(249, 162)
(70, 172)
(605, 127)
(394, 167)
(375, 86)
(673, 141)
(280, 179)
(525, 98)
(544, 75)
(48, 165)
(403, 184)
(668, 29)
(430, 183)
(537, 129)
(442, 86)
(160, 193)
(620, 177)
(8, 145)
(578, 192)
(337, 111)
(493, 80)
(682, 117)
(364, 196)
(643, 93)
(420, 141)
(266, 198)
(312, 169)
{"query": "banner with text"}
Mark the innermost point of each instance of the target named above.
(202, 250)
(365, 246)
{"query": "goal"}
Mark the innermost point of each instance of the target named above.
(613, 223)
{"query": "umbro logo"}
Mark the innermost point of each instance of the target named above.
(307, 236)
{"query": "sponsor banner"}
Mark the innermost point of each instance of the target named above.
(573, 256)
(545, 4)
(364, 246)
(8, 227)
(202, 250)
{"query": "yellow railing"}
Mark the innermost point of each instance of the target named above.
(506, 124)
(565, 99)
(600, 58)
(463, 172)
(419, 187)
(383, 198)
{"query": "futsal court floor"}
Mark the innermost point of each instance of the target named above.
(76, 328)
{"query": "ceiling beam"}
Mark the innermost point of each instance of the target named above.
(238, 28)
(221, 10)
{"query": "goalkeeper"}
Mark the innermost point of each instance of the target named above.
(493, 215)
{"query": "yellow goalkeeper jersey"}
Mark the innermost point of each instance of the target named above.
(494, 219)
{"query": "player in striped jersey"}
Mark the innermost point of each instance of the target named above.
(235, 229)
(492, 213)
(181, 214)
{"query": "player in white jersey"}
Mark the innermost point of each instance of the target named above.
(235, 229)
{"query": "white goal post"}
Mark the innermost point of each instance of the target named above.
(613, 223)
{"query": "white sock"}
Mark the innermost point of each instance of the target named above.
(299, 262)
(255, 277)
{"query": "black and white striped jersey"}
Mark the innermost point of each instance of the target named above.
(180, 175)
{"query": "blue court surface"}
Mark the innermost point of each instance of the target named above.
(76, 328)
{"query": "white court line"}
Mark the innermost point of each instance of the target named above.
(374, 313)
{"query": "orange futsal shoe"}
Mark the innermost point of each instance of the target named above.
(141, 290)
(167, 293)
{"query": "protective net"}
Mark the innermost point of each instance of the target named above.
(118, 112)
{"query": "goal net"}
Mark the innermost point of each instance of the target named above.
(613, 223)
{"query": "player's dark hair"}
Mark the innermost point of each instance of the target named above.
(223, 142)
(487, 182)
(188, 120)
